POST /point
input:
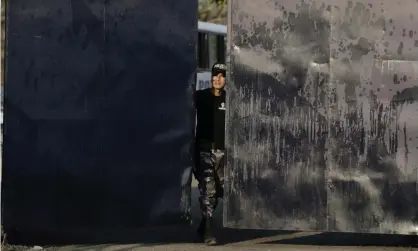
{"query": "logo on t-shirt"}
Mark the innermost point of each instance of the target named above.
(222, 106)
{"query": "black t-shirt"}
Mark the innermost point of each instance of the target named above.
(210, 129)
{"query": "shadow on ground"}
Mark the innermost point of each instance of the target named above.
(186, 234)
(146, 236)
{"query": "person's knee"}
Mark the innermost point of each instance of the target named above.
(211, 188)
(208, 201)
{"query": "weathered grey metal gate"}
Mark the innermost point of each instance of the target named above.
(97, 112)
(322, 123)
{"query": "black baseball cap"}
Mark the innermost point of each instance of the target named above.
(219, 68)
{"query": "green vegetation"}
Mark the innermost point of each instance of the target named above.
(214, 11)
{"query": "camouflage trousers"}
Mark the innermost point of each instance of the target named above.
(209, 172)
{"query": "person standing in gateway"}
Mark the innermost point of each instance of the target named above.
(209, 149)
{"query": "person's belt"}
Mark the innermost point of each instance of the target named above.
(216, 149)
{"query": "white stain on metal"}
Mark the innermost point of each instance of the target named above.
(353, 97)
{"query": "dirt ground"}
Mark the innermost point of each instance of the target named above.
(183, 239)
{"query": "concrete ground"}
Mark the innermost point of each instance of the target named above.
(183, 239)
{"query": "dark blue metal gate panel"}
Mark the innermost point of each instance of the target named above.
(322, 116)
(98, 121)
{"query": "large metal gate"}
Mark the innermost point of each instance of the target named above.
(98, 121)
(322, 123)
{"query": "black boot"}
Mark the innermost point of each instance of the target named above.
(201, 228)
(208, 237)
(205, 231)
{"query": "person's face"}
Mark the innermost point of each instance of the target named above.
(218, 81)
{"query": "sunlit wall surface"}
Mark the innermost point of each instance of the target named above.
(323, 116)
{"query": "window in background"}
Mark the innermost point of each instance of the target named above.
(202, 51)
(213, 49)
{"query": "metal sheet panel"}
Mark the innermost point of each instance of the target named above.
(373, 176)
(321, 123)
(98, 121)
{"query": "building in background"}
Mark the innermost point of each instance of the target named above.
(211, 42)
